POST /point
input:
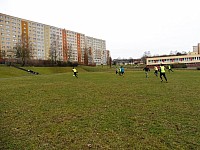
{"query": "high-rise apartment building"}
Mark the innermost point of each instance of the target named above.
(49, 42)
(97, 50)
(73, 46)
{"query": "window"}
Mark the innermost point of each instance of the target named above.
(13, 19)
(7, 18)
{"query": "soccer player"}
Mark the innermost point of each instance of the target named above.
(75, 72)
(156, 71)
(170, 69)
(162, 73)
(116, 70)
(122, 70)
(119, 71)
(146, 69)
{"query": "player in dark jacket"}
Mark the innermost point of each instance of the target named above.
(146, 69)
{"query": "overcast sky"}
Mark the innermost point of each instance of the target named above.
(130, 27)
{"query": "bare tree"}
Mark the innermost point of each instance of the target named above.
(54, 49)
(110, 61)
(69, 53)
(85, 56)
(88, 58)
(145, 55)
(23, 49)
(2, 53)
(11, 54)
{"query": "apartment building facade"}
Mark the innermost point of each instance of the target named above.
(97, 50)
(49, 42)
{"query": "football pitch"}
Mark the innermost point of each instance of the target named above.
(100, 110)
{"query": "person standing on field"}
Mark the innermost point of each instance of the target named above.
(162, 73)
(116, 70)
(170, 69)
(119, 71)
(75, 72)
(156, 71)
(122, 70)
(146, 69)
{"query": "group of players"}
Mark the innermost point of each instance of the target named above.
(161, 69)
(120, 71)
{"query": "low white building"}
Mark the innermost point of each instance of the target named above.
(190, 58)
(186, 59)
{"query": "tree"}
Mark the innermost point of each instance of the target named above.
(172, 53)
(54, 49)
(130, 60)
(181, 53)
(178, 53)
(69, 53)
(145, 55)
(85, 56)
(88, 58)
(110, 61)
(2, 54)
(184, 53)
(10, 55)
(23, 49)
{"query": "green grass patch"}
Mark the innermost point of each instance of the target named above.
(97, 68)
(7, 71)
(100, 110)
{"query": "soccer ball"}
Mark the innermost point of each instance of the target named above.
(73, 75)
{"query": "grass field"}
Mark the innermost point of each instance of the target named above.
(99, 110)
